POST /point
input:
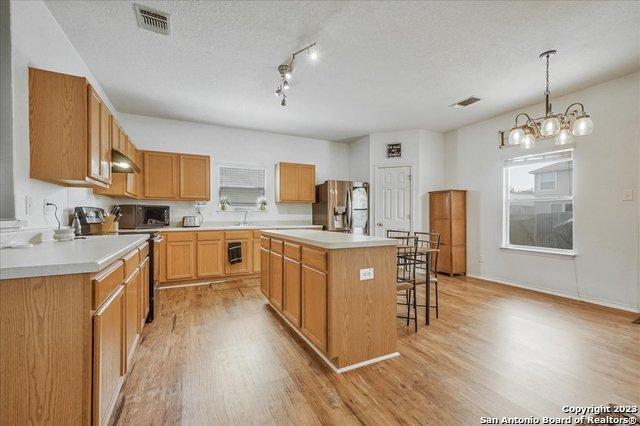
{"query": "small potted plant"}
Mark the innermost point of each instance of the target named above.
(224, 203)
(262, 202)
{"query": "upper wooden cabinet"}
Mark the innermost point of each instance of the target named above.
(69, 133)
(162, 175)
(295, 183)
(195, 177)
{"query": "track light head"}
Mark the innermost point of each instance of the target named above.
(278, 91)
(285, 85)
(284, 102)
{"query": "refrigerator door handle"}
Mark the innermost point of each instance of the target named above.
(350, 209)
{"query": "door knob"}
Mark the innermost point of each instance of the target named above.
(379, 224)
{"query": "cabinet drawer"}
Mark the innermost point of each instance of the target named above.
(131, 262)
(276, 246)
(180, 236)
(143, 251)
(292, 251)
(209, 235)
(238, 235)
(265, 243)
(257, 234)
(313, 258)
(107, 280)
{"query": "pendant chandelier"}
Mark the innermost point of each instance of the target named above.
(563, 127)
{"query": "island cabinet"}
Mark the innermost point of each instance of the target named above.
(72, 336)
(339, 297)
(295, 183)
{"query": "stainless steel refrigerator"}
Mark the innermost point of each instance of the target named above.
(342, 206)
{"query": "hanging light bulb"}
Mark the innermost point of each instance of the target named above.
(285, 85)
(564, 136)
(550, 126)
(583, 125)
(528, 141)
(516, 135)
(313, 54)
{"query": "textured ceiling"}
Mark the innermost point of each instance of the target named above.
(383, 65)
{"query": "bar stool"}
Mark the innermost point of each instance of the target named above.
(396, 233)
(406, 256)
(427, 253)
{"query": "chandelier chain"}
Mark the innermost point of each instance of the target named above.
(547, 91)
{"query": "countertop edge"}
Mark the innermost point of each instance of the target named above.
(332, 246)
(218, 228)
(20, 272)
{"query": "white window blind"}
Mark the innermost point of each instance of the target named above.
(242, 187)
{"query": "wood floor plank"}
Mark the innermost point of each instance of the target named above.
(216, 354)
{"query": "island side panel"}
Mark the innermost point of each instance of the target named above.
(45, 362)
(362, 314)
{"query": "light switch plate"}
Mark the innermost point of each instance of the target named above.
(366, 274)
(28, 205)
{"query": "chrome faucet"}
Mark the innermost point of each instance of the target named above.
(244, 221)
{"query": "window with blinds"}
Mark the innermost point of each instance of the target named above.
(242, 187)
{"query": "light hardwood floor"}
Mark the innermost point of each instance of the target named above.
(218, 355)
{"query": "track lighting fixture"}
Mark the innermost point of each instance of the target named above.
(285, 71)
(563, 127)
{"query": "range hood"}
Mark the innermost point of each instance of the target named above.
(120, 163)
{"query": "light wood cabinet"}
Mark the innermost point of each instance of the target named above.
(256, 255)
(195, 177)
(314, 307)
(105, 143)
(265, 271)
(67, 137)
(181, 255)
(275, 280)
(162, 177)
(295, 183)
(210, 259)
(132, 315)
(292, 290)
(448, 217)
(108, 361)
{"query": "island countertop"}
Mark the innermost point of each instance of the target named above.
(69, 257)
(331, 240)
(212, 226)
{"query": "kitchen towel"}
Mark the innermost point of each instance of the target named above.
(234, 253)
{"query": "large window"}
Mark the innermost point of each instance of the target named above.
(538, 202)
(242, 188)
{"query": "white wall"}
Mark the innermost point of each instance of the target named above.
(359, 155)
(423, 150)
(39, 42)
(606, 235)
(228, 145)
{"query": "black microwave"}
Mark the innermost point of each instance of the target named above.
(138, 216)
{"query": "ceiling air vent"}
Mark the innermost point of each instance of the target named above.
(465, 102)
(153, 20)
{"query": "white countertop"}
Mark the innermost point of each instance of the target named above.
(212, 227)
(332, 240)
(69, 257)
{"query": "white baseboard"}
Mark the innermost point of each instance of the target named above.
(324, 357)
(573, 296)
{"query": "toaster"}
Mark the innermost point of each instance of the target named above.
(190, 221)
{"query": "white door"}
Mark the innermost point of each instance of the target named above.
(393, 199)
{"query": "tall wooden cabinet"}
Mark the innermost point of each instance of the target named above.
(448, 217)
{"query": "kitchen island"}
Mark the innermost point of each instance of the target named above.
(336, 291)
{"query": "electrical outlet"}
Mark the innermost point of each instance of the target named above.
(28, 205)
(366, 274)
(627, 195)
(481, 259)
(45, 210)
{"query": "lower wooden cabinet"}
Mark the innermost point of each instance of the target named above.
(292, 290)
(108, 361)
(275, 280)
(209, 258)
(265, 272)
(314, 306)
(256, 255)
(181, 256)
(246, 265)
(132, 314)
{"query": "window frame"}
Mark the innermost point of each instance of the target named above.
(505, 244)
(555, 181)
(240, 208)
